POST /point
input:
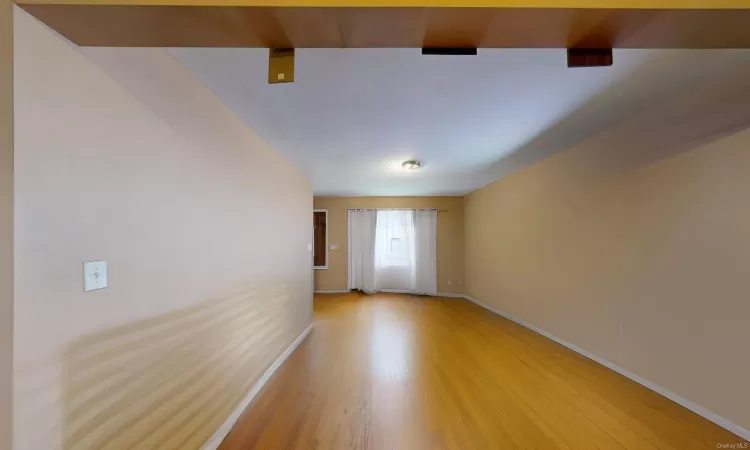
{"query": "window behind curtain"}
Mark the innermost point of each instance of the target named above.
(394, 238)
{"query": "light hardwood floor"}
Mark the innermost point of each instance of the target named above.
(395, 371)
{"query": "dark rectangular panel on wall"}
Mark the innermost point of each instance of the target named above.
(320, 243)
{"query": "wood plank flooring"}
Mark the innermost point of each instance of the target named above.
(394, 371)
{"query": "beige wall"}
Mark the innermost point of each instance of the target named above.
(124, 156)
(6, 220)
(450, 252)
(641, 261)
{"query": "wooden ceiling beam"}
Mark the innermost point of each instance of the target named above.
(180, 23)
(575, 4)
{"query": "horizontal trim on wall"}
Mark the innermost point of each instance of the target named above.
(406, 291)
(215, 440)
(397, 291)
(701, 411)
(449, 295)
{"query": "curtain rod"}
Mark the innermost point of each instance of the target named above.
(397, 209)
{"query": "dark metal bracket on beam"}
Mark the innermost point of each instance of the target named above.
(589, 57)
(447, 51)
(280, 65)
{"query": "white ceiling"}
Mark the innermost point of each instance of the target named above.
(353, 115)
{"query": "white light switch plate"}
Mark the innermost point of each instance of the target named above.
(334, 246)
(94, 275)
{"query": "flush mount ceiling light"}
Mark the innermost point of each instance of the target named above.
(410, 165)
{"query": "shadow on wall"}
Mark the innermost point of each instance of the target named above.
(700, 116)
(694, 109)
(169, 382)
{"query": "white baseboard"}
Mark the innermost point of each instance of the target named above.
(215, 440)
(406, 291)
(397, 291)
(448, 295)
(701, 411)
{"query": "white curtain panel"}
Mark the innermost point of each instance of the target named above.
(362, 250)
(425, 252)
(394, 250)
